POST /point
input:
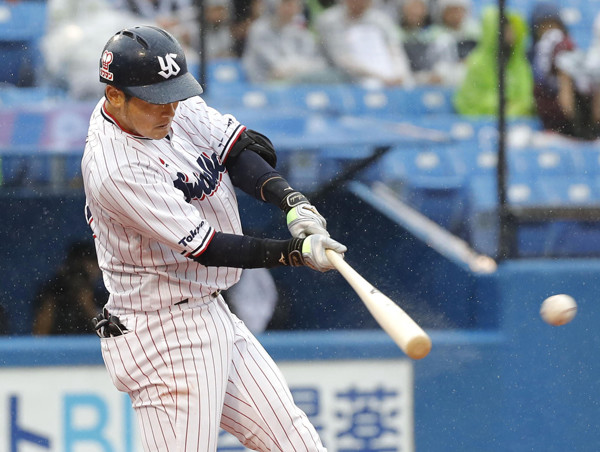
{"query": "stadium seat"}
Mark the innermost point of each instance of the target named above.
(225, 72)
(19, 96)
(416, 101)
(541, 161)
(568, 190)
(22, 24)
(587, 158)
(427, 179)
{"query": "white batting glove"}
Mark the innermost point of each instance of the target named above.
(313, 251)
(304, 220)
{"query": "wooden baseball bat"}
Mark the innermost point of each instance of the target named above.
(405, 332)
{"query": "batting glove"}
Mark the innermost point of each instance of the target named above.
(313, 251)
(304, 219)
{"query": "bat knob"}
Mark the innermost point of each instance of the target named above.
(418, 347)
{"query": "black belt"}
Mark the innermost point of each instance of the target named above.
(215, 294)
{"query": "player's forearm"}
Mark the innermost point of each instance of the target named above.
(242, 251)
(251, 173)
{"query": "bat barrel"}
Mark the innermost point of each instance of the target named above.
(409, 336)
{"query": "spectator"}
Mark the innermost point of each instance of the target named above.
(592, 69)
(75, 37)
(478, 93)
(314, 8)
(178, 17)
(253, 298)
(281, 48)
(364, 43)
(67, 303)
(219, 43)
(454, 34)
(245, 12)
(414, 20)
(562, 92)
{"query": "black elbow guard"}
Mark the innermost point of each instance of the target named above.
(256, 142)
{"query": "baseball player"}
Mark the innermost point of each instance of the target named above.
(160, 168)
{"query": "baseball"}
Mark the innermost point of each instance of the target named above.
(558, 309)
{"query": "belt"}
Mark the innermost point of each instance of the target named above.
(215, 294)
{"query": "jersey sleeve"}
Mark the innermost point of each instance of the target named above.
(214, 130)
(138, 196)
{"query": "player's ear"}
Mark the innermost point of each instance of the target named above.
(114, 95)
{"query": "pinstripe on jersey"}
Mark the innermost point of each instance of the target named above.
(189, 368)
(178, 408)
(136, 191)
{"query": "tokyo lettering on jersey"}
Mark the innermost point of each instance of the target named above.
(153, 203)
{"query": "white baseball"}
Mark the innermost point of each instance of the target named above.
(558, 309)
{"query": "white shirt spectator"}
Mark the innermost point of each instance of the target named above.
(279, 47)
(454, 33)
(77, 31)
(364, 43)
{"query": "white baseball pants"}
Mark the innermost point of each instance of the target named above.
(194, 367)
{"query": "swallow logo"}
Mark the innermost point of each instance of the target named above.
(107, 58)
(168, 65)
(204, 182)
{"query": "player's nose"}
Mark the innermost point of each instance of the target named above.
(169, 109)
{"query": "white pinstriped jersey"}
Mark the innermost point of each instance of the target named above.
(152, 203)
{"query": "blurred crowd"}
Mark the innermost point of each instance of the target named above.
(375, 43)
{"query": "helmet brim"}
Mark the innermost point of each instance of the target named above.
(167, 92)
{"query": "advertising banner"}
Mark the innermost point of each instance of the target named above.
(356, 406)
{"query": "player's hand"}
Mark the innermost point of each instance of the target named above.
(304, 220)
(312, 252)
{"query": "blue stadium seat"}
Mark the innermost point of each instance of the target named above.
(541, 161)
(225, 72)
(421, 100)
(568, 190)
(587, 158)
(316, 98)
(427, 179)
(19, 96)
(22, 25)
(261, 98)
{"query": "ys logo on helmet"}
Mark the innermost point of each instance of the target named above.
(168, 65)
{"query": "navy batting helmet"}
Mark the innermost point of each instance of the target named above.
(148, 63)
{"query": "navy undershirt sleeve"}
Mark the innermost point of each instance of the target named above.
(248, 171)
(243, 251)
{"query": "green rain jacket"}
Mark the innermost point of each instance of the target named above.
(478, 93)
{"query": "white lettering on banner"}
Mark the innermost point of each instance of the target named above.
(363, 405)
(356, 406)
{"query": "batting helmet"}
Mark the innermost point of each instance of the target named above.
(148, 63)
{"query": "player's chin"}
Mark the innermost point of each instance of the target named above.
(159, 132)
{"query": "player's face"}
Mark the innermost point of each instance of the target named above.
(140, 117)
(146, 119)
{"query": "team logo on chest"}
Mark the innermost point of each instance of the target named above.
(204, 183)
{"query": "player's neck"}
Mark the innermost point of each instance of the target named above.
(115, 115)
